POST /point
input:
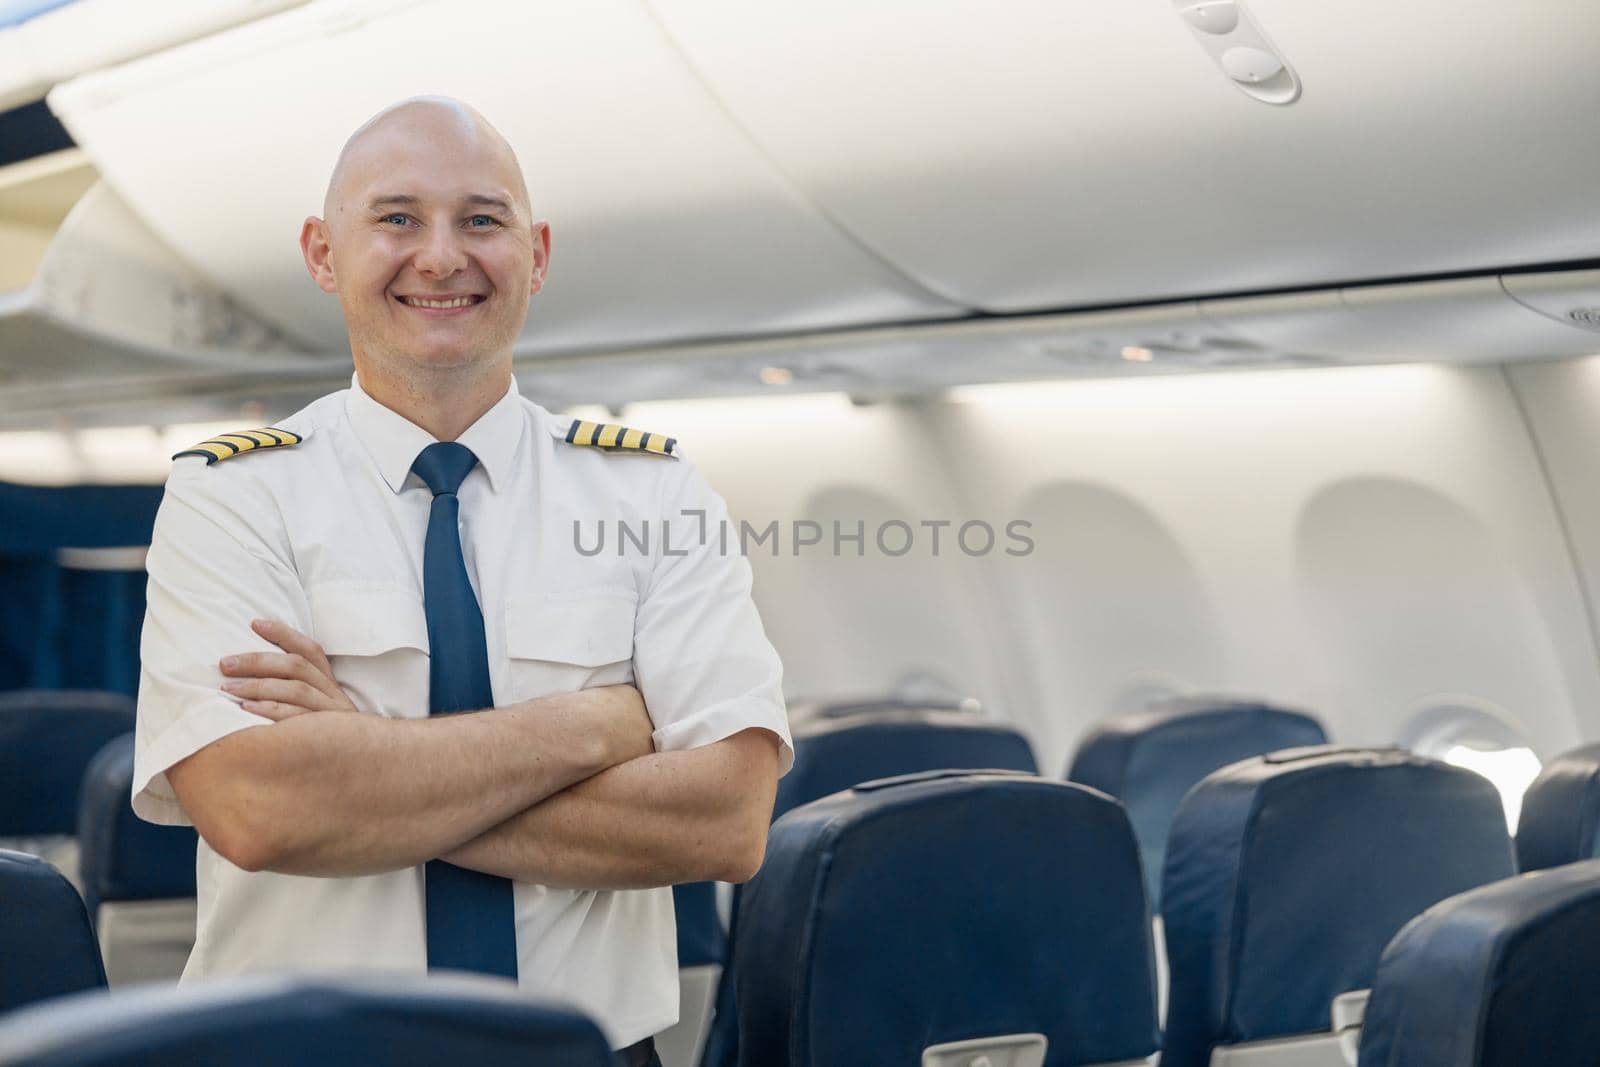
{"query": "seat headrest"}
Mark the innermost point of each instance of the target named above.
(1286, 875)
(940, 907)
(1560, 820)
(272, 1020)
(122, 857)
(46, 942)
(835, 754)
(804, 711)
(1500, 976)
(1151, 759)
(700, 937)
(47, 738)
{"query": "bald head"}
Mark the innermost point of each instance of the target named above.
(440, 127)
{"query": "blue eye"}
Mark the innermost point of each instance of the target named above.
(487, 220)
(398, 220)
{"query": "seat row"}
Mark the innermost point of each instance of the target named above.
(954, 917)
(838, 747)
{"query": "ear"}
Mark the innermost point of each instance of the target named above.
(318, 253)
(541, 257)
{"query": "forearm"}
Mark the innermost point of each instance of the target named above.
(349, 794)
(671, 817)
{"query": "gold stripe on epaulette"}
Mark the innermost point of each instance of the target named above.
(237, 443)
(616, 438)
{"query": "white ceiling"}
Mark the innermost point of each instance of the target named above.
(835, 189)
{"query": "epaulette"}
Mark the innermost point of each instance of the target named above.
(229, 445)
(615, 438)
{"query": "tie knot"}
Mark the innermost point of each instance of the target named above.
(443, 465)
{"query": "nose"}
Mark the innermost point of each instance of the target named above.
(440, 254)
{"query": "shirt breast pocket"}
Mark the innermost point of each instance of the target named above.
(563, 642)
(376, 640)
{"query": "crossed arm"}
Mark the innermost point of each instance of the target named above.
(562, 791)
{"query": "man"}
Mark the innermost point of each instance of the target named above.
(624, 728)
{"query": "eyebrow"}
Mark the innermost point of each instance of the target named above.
(404, 199)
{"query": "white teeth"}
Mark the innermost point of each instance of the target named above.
(417, 301)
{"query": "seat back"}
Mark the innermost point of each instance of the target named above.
(1500, 976)
(1560, 820)
(1287, 874)
(47, 738)
(835, 752)
(137, 878)
(47, 946)
(801, 712)
(1151, 759)
(946, 907)
(280, 1021)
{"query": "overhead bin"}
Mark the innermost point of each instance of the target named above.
(1065, 153)
(43, 42)
(668, 222)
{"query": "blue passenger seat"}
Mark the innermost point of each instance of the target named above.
(1287, 874)
(281, 1021)
(47, 946)
(1149, 760)
(942, 917)
(836, 751)
(840, 746)
(1560, 820)
(138, 878)
(47, 738)
(1501, 976)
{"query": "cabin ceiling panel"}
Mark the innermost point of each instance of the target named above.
(667, 222)
(1060, 153)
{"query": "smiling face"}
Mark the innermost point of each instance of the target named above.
(430, 245)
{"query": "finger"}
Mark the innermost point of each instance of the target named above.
(277, 689)
(278, 665)
(319, 672)
(291, 640)
(273, 709)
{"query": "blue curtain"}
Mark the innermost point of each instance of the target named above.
(62, 628)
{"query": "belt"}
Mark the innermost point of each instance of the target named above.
(638, 1054)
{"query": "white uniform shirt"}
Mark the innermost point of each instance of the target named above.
(327, 536)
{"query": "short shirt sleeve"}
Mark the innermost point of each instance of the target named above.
(213, 566)
(701, 658)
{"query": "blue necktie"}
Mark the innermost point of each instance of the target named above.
(471, 917)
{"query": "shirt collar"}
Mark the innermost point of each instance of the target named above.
(394, 441)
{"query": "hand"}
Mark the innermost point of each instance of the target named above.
(280, 685)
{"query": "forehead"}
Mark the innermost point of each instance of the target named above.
(428, 159)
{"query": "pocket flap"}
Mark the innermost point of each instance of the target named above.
(362, 619)
(587, 627)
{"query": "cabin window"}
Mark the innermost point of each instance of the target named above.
(1481, 740)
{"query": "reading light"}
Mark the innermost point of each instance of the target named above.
(1137, 354)
(776, 376)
